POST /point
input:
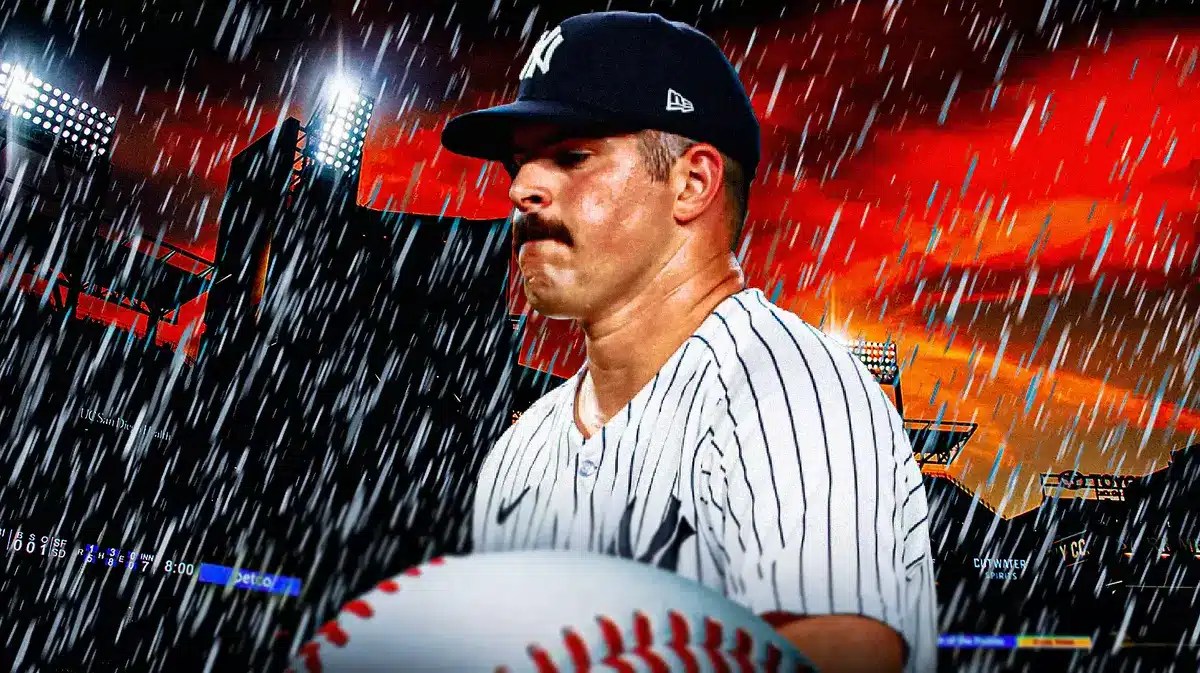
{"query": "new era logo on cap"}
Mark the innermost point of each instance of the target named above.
(677, 103)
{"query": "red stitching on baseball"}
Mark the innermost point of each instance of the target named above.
(612, 635)
(654, 661)
(620, 665)
(542, 660)
(577, 648)
(333, 631)
(774, 658)
(312, 658)
(359, 608)
(714, 633)
(718, 661)
(743, 642)
(690, 664)
(334, 634)
(685, 641)
(680, 634)
(643, 630)
(743, 662)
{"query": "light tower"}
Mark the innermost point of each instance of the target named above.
(880, 359)
(335, 133)
(290, 223)
(46, 115)
(338, 128)
(56, 176)
(936, 442)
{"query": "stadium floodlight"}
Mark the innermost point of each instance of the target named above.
(46, 112)
(879, 358)
(339, 127)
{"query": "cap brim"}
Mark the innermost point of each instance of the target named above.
(488, 134)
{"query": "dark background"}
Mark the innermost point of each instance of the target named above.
(292, 458)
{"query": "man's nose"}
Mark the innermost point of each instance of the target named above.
(528, 190)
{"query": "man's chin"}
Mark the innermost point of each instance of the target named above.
(550, 305)
(553, 311)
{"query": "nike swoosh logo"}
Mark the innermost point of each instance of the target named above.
(505, 510)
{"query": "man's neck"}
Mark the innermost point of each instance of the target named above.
(628, 347)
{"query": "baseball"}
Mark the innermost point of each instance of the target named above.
(544, 611)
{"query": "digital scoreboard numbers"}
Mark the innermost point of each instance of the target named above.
(117, 558)
(20, 542)
(204, 573)
(135, 560)
(16, 541)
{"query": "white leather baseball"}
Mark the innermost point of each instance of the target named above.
(544, 611)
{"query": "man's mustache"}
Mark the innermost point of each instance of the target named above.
(535, 227)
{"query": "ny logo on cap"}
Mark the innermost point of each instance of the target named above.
(677, 103)
(542, 52)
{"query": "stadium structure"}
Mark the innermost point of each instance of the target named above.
(1101, 559)
(60, 240)
(354, 366)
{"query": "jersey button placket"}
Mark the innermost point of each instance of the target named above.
(589, 463)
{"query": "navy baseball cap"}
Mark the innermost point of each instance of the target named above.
(620, 71)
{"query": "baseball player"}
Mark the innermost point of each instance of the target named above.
(709, 432)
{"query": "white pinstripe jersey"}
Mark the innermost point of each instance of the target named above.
(763, 461)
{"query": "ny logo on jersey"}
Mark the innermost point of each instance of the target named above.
(670, 535)
(543, 51)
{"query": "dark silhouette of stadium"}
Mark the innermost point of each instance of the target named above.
(1085, 562)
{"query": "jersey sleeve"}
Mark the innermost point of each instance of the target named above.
(483, 501)
(807, 504)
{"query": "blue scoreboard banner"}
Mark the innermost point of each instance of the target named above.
(249, 579)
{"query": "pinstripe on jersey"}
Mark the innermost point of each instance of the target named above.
(762, 460)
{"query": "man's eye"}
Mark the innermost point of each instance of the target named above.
(571, 158)
(565, 159)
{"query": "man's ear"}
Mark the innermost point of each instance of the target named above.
(698, 178)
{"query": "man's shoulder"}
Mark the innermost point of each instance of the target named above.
(752, 338)
(526, 427)
(768, 356)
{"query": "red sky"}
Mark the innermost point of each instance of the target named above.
(998, 211)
